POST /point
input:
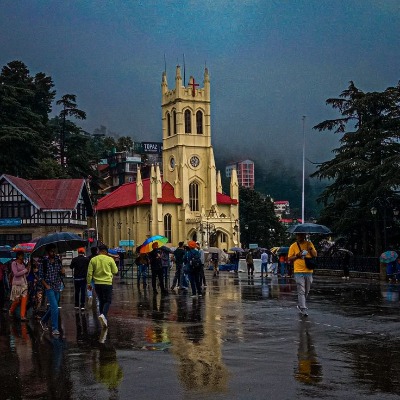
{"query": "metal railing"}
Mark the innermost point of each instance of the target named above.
(356, 264)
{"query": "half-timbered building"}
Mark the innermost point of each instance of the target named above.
(32, 208)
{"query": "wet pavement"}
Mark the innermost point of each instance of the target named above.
(243, 340)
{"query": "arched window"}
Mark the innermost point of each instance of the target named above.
(175, 128)
(188, 122)
(223, 237)
(194, 196)
(168, 124)
(168, 227)
(199, 122)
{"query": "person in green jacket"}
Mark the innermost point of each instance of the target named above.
(102, 269)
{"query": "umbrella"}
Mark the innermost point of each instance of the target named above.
(213, 250)
(309, 228)
(238, 249)
(282, 250)
(25, 247)
(116, 251)
(350, 253)
(274, 249)
(6, 254)
(63, 241)
(388, 256)
(147, 245)
(167, 249)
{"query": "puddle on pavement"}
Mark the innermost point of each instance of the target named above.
(207, 345)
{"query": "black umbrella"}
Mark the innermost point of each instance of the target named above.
(63, 241)
(309, 228)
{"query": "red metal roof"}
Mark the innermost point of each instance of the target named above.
(225, 199)
(125, 196)
(49, 194)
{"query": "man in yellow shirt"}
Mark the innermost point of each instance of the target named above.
(101, 269)
(298, 251)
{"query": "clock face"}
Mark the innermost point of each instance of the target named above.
(172, 162)
(194, 161)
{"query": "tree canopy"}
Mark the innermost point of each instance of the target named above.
(363, 172)
(258, 222)
(25, 102)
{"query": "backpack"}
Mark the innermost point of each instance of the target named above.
(195, 261)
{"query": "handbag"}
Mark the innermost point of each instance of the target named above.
(311, 263)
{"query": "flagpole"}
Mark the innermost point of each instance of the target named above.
(303, 183)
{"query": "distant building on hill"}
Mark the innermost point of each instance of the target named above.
(245, 173)
(281, 207)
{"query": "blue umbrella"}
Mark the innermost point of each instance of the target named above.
(6, 254)
(238, 249)
(63, 241)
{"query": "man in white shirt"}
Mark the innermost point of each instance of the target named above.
(264, 264)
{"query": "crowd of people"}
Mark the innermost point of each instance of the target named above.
(189, 268)
(37, 284)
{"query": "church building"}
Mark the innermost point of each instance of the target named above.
(184, 201)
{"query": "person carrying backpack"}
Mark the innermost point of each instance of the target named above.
(193, 259)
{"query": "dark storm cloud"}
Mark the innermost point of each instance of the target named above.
(270, 62)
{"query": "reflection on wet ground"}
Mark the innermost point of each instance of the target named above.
(242, 340)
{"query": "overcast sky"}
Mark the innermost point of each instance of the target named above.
(270, 62)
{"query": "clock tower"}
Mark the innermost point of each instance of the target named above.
(188, 158)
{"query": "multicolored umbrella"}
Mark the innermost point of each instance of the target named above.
(388, 256)
(147, 245)
(25, 247)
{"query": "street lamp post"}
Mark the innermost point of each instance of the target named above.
(208, 229)
(385, 204)
(119, 225)
(246, 228)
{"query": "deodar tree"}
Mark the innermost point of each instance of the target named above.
(364, 167)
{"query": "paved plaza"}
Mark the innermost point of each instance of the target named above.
(242, 340)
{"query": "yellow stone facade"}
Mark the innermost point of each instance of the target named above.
(203, 212)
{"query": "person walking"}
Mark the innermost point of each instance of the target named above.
(156, 269)
(50, 274)
(19, 289)
(264, 264)
(298, 251)
(102, 269)
(79, 266)
(142, 263)
(250, 264)
(192, 259)
(202, 259)
(179, 253)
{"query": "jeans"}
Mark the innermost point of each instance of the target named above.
(142, 273)
(80, 291)
(104, 294)
(184, 278)
(194, 277)
(264, 268)
(53, 298)
(177, 277)
(303, 282)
